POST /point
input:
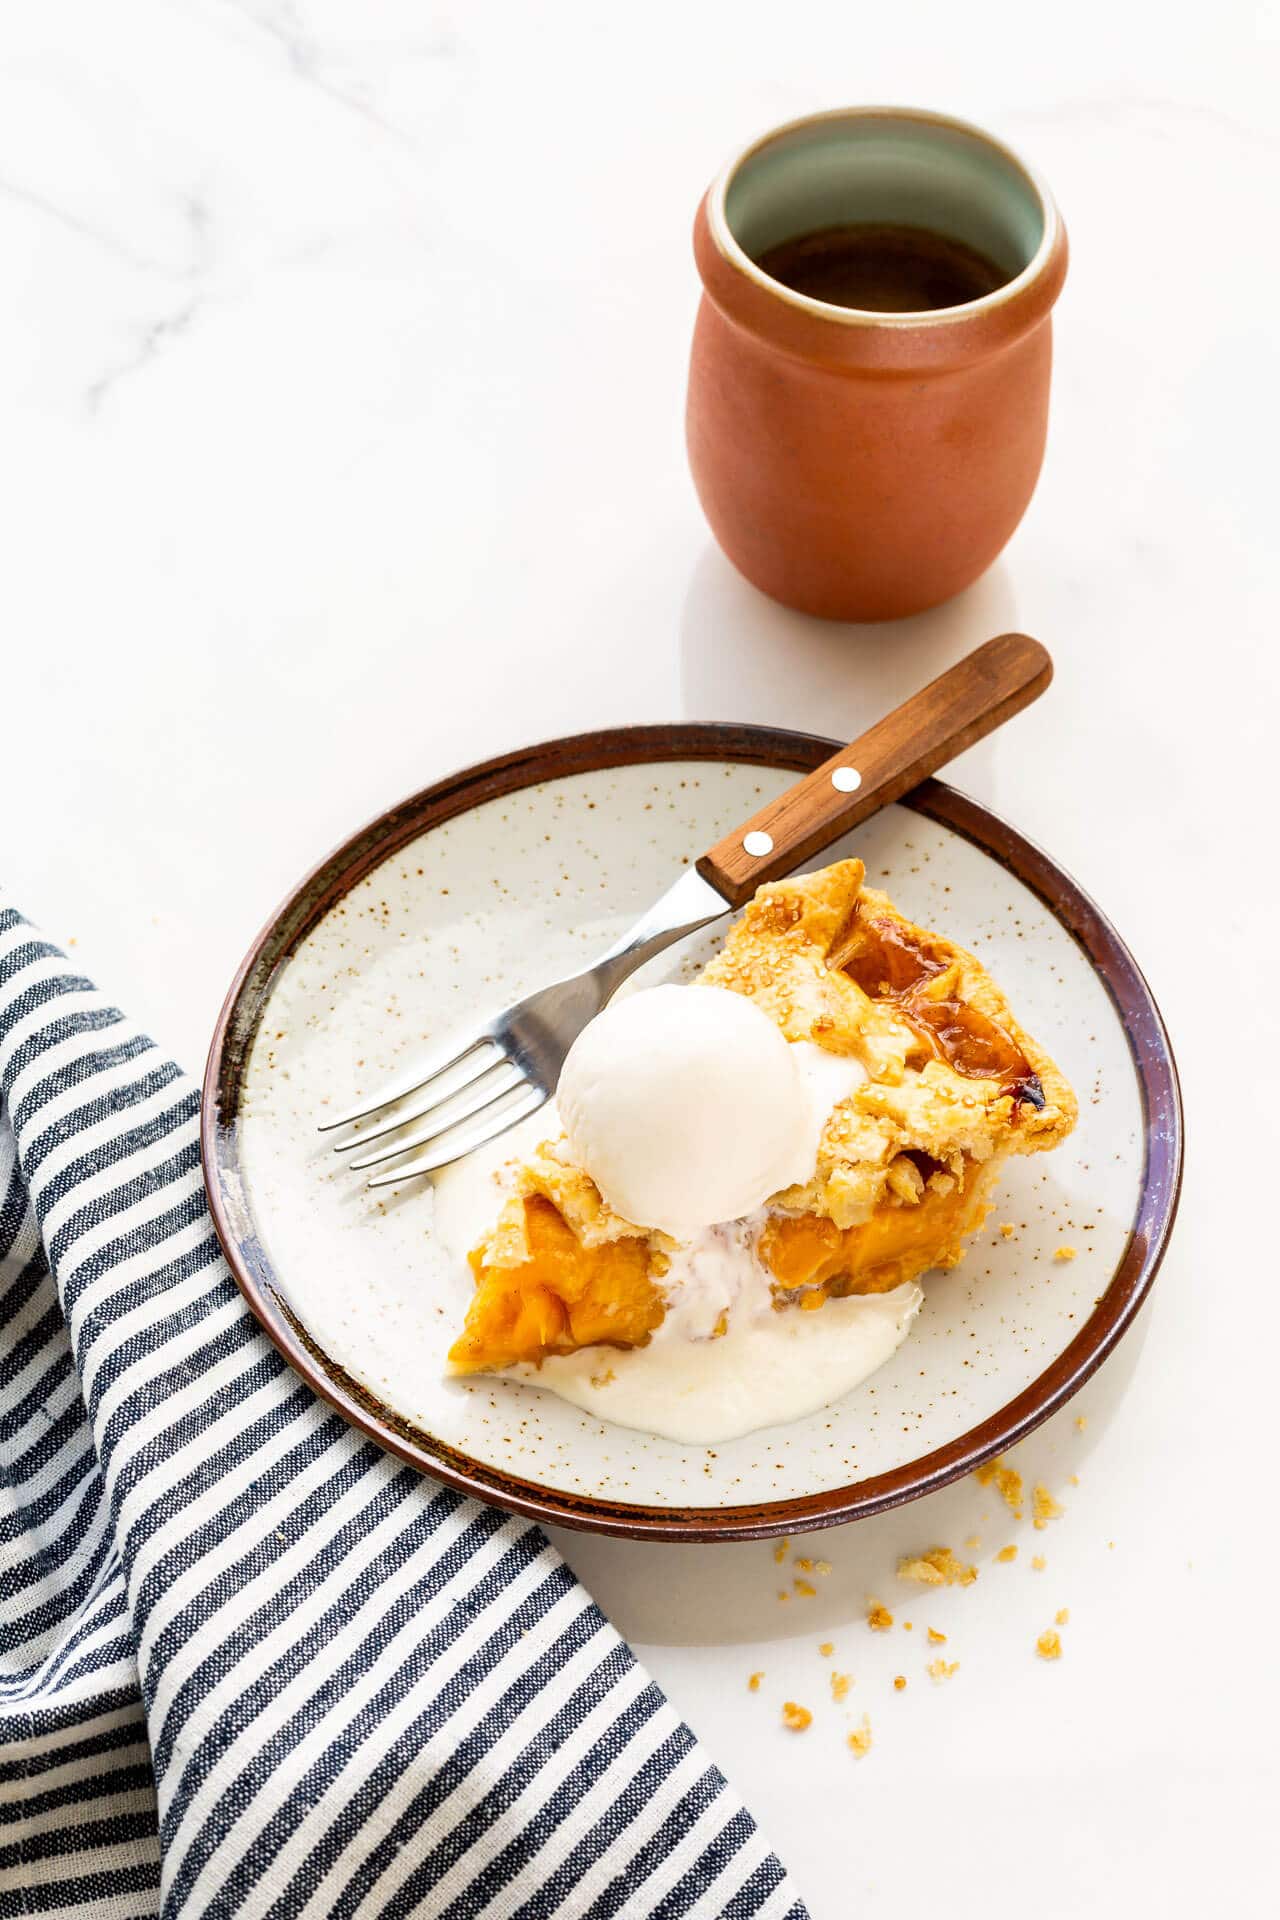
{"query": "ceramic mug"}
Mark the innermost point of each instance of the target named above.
(863, 465)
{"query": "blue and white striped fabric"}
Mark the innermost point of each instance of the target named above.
(250, 1665)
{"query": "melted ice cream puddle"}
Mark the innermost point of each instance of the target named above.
(765, 1369)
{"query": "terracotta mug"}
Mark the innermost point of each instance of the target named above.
(855, 464)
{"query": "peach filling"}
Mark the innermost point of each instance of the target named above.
(803, 1251)
(888, 964)
(564, 1296)
(567, 1295)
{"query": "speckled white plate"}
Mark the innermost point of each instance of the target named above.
(514, 873)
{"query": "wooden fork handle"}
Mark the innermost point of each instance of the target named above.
(963, 704)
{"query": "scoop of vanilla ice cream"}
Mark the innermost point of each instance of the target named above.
(686, 1107)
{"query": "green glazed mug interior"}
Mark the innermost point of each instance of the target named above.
(890, 166)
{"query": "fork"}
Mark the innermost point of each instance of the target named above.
(464, 1097)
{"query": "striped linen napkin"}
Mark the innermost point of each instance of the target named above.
(248, 1664)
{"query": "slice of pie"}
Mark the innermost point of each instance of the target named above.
(906, 1164)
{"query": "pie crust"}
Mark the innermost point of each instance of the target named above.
(907, 1162)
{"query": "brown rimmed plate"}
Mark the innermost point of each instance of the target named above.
(510, 873)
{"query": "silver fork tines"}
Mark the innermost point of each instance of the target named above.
(406, 1109)
(420, 1076)
(485, 1092)
(458, 1147)
(511, 1066)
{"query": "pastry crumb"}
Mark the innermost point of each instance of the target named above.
(840, 1685)
(937, 1568)
(1062, 1616)
(899, 1681)
(1006, 1229)
(937, 1639)
(942, 1669)
(780, 1552)
(805, 1566)
(1064, 1253)
(827, 1648)
(822, 1566)
(1073, 1479)
(1006, 1554)
(753, 1683)
(783, 1595)
(879, 1617)
(974, 1541)
(906, 1626)
(860, 1738)
(795, 1718)
(1007, 1482)
(1044, 1507)
(1081, 1423)
(1048, 1646)
(805, 1589)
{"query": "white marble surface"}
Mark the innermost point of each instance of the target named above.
(341, 368)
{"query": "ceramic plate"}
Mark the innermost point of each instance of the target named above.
(515, 872)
